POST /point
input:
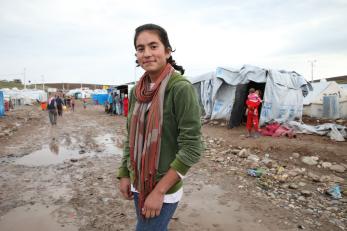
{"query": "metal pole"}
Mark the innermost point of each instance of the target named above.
(312, 71)
(43, 82)
(25, 86)
(312, 62)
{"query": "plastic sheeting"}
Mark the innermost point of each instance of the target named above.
(205, 83)
(282, 97)
(246, 74)
(223, 92)
(25, 96)
(224, 99)
(100, 98)
(334, 131)
(226, 89)
(331, 107)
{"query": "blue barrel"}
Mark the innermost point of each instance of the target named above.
(2, 105)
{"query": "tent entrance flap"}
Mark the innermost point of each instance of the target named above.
(239, 107)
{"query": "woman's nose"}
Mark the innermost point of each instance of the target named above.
(147, 52)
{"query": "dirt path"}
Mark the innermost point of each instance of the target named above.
(63, 178)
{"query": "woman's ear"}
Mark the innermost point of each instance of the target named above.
(168, 53)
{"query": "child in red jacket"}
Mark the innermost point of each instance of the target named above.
(253, 102)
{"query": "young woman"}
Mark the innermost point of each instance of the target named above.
(164, 137)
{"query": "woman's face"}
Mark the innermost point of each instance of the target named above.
(151, 53)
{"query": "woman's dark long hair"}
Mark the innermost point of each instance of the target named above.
(163, 38)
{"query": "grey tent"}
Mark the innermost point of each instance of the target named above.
(223, 93)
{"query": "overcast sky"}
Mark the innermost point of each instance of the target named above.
(91, 41)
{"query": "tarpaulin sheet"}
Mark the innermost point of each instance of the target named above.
(283, 99)
(334, 131)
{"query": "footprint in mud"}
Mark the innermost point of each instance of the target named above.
(194, 213)
(183, 207)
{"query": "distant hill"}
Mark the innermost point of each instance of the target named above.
(59, 86)
(12, 84)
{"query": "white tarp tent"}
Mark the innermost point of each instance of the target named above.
(204, 86)
(283, 97)
(80, 93)
(25, 96)
(223, 93)
(327, 100)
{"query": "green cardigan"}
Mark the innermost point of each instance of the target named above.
(181, 144)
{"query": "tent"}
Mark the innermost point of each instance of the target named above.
(223, 93)
(203, 85)
(327, 100)
(24, 96)
(80, 93)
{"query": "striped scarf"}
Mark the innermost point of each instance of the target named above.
(145, 136)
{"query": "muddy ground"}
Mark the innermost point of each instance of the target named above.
(63, 177)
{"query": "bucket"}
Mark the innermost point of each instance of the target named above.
(43, 106)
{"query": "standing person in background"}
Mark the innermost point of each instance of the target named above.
(64, 99)
(84, 103)
(114, 107)
(73, 103)
(110, 103)
(117, 102)
(164, 132)
(125, 105)
(120, 104)
(52, 110)
(60, 104)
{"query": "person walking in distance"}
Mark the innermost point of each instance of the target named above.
(52, 110)
(73, 103)
(84, 103)
(164, 132)
(60, 104)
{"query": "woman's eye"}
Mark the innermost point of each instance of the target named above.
(154, 47)
(139, 49)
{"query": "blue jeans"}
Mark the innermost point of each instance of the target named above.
(158, 223)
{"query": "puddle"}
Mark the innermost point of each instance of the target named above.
(55, 153)
(209, 211)
(33, 218)
(48, 156)
(109, 144)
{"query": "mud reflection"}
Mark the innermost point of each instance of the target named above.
(54, 146)
(56, 152)
(33, 218)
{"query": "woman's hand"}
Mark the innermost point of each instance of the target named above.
(124, 188)
(153, 204)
